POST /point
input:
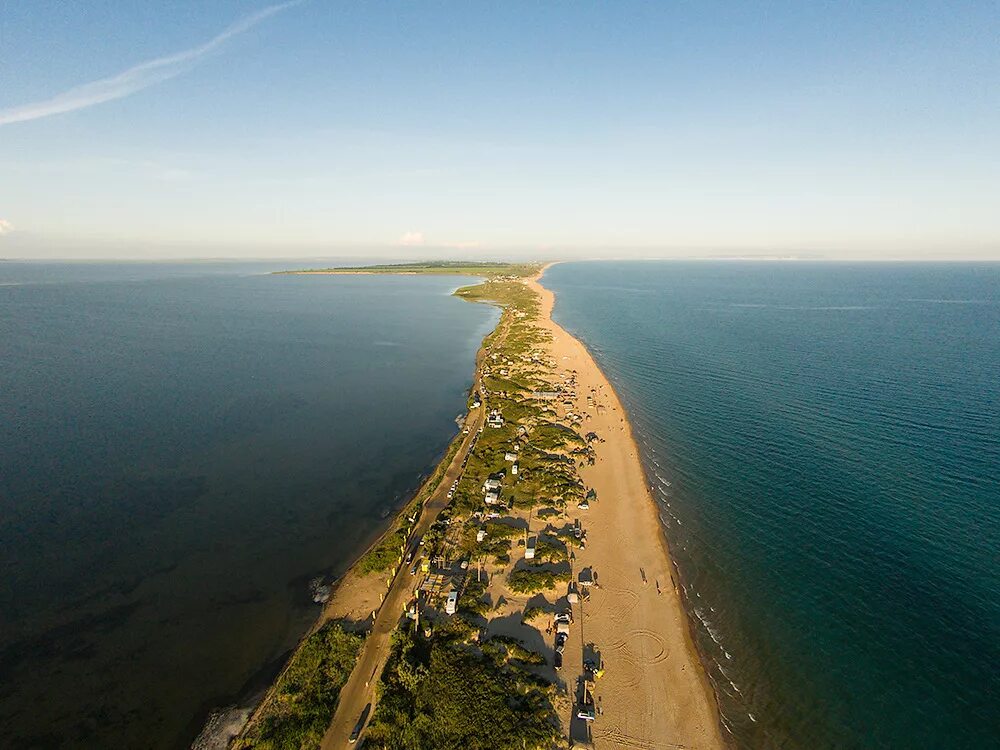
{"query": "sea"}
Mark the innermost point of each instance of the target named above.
(823, 442)
(184, 449)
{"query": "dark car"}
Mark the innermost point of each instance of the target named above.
(356, 732)
(561, 642)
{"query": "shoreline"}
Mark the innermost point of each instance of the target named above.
(642, 504)
(676, 574)
(666, 661)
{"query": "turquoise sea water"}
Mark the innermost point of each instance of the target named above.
(182, 448)
(824, 444)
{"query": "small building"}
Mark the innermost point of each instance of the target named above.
(509, 457)
(491, 484)
(495, 420)
(493, 497)
(513, 469)
(451, 605)
(529, 548)
(480, 535)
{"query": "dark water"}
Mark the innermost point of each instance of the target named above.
(181, 449)
(831, 439)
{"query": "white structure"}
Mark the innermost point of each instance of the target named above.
(513, 469)
(529, 549)
(491, 484)
(493, 497)
(509, 457)
(480, 535)
(452, 604)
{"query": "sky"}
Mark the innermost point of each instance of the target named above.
(855, 130)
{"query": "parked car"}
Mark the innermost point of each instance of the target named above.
(356, 732)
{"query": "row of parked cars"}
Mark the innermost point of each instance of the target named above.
(563, 621)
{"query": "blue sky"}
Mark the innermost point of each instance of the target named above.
(840, 129)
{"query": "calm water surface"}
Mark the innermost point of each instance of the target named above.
(824, 441)
(182, 447)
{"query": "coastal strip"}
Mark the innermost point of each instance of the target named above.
(530, 563)
(657, 694)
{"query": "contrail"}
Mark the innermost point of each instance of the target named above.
(136, 78)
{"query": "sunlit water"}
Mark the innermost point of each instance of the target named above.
(824, 444)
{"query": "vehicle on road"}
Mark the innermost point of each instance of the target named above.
(356, 732)
(561, 639)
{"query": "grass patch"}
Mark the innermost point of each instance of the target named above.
(444, 695)
(300, 707)
(528, 581)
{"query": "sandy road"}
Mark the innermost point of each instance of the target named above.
(360, 688)
(359, 691)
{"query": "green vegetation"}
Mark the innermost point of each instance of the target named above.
(508, 648)
(387, 553)
(530, 613)
(531, 580)
(446, 695)
(439, 268)
(471, 601)
(299, 707)
(551, 551)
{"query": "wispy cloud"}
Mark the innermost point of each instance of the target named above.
(138, 77)
(410, 239)
(5, 227)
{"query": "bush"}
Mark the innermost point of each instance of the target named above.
(300, 706)
(445, 696)
(527, 581)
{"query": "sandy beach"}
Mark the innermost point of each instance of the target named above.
(655, 693)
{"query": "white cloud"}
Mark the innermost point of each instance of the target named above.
(410, 239)
(136, 78)
(6, 226)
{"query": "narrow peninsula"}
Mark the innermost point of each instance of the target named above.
(525, 597)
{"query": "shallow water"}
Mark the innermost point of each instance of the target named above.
(183, 447)
(824, 443)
